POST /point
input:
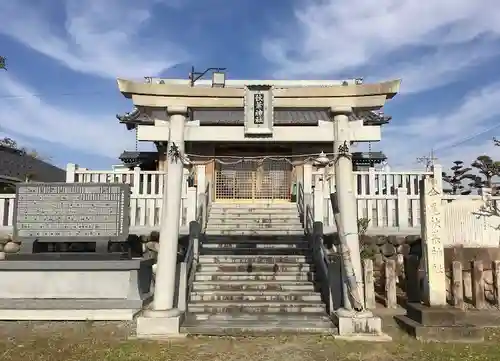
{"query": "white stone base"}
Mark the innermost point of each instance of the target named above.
(383, 337)
(67, 315)
(360, 326)
(159, 324)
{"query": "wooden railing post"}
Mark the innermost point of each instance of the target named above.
(402, 206)
(191, 204)
(390, 283)
(437, 174)
(457, 288)
(136, 185)
(201, 197)
(307, 188)
(478, 297)
(372, 186)
(70, 172)
(369, 284)
(495, 269)
(319, 207)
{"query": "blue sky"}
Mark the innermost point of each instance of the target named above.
(60, 96)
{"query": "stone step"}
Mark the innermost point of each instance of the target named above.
(276, 219)
(254, 239)
(199, 286)
(256, 307)
(254, 251)
(254, 276)
(302, 245)
(255, 296)
(260, 317)
(246, 259)
(253, 210)
(257, 324)
(239, 232)
(254, 213)
(256, 205)
(254, 267)
(255, 226)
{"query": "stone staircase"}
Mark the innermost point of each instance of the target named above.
(254, 218)
(254, 275)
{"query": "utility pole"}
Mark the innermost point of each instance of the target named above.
(428, 160)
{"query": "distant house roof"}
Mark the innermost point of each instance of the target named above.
(17, 166)
(236, 117)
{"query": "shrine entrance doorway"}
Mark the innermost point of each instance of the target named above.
(253, 177)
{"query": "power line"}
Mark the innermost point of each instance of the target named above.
(430, 159)
(45, 95)
(466, 139)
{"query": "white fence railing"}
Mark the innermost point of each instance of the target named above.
(146, 193)
(390, 200)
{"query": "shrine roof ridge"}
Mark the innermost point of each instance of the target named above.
(241, 83)
(132, 89)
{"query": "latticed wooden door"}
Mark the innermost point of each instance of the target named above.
(253, 180)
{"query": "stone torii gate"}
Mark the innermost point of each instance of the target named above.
(169, 102)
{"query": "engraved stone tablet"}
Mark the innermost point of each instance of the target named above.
(71, 212)
(259, 110)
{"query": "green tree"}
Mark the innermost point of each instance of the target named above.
(3, 63)
(455, 180)
(487, 169)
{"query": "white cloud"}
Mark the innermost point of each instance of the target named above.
(99, 37)
(95, 37)
(426, 42)
(463, 133)
(31, 118)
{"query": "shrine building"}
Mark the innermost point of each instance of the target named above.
(253, 135)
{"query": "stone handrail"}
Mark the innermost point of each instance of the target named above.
(314, 232)
(187, 268)
(204, 201)
(300, 200)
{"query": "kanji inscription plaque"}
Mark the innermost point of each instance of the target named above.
(66, 212)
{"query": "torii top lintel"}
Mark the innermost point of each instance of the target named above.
(354, 96)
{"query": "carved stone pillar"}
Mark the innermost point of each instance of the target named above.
(169, 227)
(433, 250)
(345, 194)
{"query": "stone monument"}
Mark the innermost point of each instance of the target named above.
(433, 319)
(70, 213)
(64, 285)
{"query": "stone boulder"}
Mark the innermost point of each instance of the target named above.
(11, 247)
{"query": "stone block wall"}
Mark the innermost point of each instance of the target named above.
(8, 245)
(381, 248)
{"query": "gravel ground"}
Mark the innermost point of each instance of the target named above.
(97, 341)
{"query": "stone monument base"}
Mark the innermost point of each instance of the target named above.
(362, 325)
(68, 310)
(73, 290)
(441, 324)
(153, 324)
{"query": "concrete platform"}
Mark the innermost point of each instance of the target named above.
(76, 290)
(439, 324)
